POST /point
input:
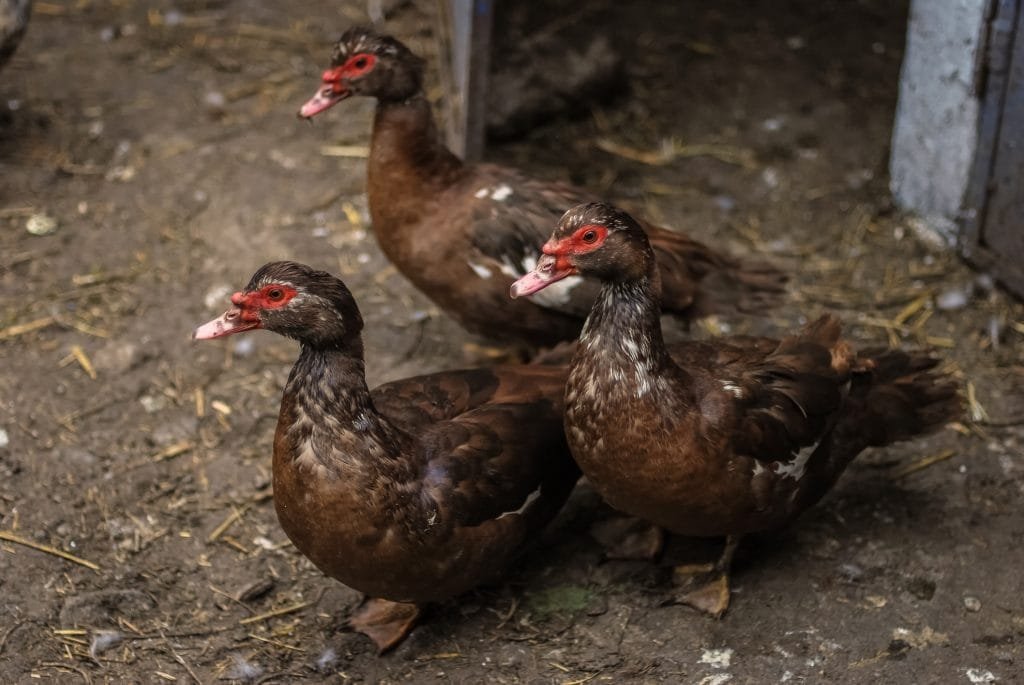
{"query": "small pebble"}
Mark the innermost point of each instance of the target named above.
(980, 675)
(952, 299)
(41, 224)
(122, 149)
(995, 331)
(4, 440)
(972, 604)
(985, 283)
(796, 42)
(173, 18)
(120, 173)
(244, 346)
(725, 203)
(363, 258)
(152, 404)
(773, 124)
(215, 100)
(851, 572)
(108, 33)
(320, 231)
(770, 177)
(14, 104)
(263, 542)
(284, 160)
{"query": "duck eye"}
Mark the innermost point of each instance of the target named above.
(360, 63)
(590, 236)
(275, 293)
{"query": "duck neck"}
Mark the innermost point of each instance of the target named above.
(327, 388)
(408, 161)
(623, 334)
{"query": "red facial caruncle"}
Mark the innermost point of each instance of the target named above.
(556, 263)
(271, 296)
(354, 67)
(583, 240)
(335, 83)
(245, 315)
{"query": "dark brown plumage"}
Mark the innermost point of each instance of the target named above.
(462, 233)
(725, 437)
(413, 492)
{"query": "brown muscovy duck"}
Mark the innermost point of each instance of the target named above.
(717, 438)
(463, 232)
(413, 492)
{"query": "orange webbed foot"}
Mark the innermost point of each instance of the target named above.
(710, 596)
(386, 623)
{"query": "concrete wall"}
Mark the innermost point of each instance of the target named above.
(936, 126)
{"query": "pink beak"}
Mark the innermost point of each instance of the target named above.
(325, 98)
(543, 275)
(228, 323)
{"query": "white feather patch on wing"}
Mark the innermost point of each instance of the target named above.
(502, 192)
(480, 270)
(795, 469)
(732, 388)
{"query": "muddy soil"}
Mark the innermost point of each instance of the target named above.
(162, 142)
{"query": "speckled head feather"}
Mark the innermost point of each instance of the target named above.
(398, 72)
(362, 39)
(623, 254)
(322, 312)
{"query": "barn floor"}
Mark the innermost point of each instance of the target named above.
(163, 144)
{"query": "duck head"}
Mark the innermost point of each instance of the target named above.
(293, 300)
(367, 63)
(595, 240)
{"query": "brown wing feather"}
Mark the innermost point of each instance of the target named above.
(490, 437)
(418, 401)
(788, 397)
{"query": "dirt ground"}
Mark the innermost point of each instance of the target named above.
(163, 143)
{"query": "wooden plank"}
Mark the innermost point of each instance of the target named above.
(1003, 231)
(465, 50)
(993, 219)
